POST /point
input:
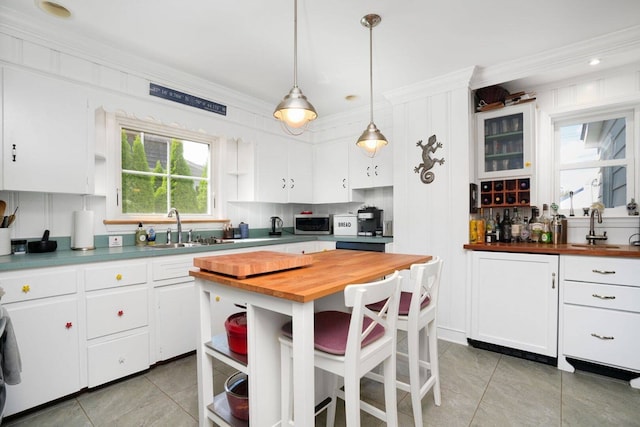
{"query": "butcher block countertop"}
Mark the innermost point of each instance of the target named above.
(329, 272)
(611, 250)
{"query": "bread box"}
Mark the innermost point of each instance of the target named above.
(345, 225)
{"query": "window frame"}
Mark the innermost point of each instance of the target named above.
(630, 114)
(114, 198)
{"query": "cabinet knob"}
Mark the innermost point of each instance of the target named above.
(13, 152)
(284, 183)
(118, 276)
(68, 325)
(375, 170)
(120, 313)
(293, 183)
(121, 360)
(368, 169)
(217, 298)
(26, 289)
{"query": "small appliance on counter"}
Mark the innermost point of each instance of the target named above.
(276, 226)
(370, 221)
(345, 225)
(308, 223)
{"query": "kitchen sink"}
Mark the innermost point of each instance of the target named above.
(189, 244)
(596, 246)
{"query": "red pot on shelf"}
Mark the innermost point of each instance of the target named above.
(237, 390)
(236, 327)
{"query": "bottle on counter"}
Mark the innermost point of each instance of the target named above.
(524, 230)
(141, 235)
(516, 226)
(496, 228)
(545, 236)
(489, 232)
(473, 231)
(480, 227)
(535, 226)
(506, 228)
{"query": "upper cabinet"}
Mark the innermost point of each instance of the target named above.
(367, 172)
(46, 143)
(331, 172)
(284, 171)
(505, 140)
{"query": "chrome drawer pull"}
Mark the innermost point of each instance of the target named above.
(603, 296)
(604, 271)
(602, 337)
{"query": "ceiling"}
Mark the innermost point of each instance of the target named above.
(247, 46)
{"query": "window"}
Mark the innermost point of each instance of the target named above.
(595, 161)
(161, 168)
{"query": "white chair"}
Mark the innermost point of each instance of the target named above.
(348, 345)
(417, 316)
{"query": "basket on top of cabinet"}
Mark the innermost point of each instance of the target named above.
(505, 193)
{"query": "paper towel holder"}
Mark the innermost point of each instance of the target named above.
(82, 238)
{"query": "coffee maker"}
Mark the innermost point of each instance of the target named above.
(370, 221)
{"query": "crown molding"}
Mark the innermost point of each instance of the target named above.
(445, 83)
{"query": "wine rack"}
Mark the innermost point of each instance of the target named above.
(505, 193)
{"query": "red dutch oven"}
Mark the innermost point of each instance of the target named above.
(236, 327)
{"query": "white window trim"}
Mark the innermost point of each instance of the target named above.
(631, 161)
(114, 122)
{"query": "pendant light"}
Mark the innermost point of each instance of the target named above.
(371, 139)
(294, 111)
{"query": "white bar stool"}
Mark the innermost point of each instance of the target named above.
(349, 345)
(418, 317)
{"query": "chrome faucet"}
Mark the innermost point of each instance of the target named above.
(592, 237)
(170, 215)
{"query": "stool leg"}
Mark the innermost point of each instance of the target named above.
(413, 341)
(433, 360)
(390, 391)
(352, 398)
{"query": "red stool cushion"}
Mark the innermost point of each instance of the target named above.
(405, 302)
(331, 329)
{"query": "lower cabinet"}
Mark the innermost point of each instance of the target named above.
(514, 301)
(43, 307)
(600, 313)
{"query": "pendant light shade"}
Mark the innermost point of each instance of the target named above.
(294, 111)
(371, 139)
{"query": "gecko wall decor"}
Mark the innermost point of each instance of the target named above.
(428, 162)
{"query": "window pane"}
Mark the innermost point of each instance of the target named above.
(606, 184)
(599, 140)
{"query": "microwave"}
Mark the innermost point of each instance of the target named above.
(312, 224)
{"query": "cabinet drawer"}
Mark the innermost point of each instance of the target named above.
(618, 336)
(118, 358)
(28, 286)
(172, 267)
(604, 296)
(115, 275)
(116, 312)
(617, 271)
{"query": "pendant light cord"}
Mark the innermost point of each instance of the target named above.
(295, 43)
(371, 71)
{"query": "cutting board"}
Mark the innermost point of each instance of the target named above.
(251, 263)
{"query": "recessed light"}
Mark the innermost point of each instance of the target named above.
(351, 97)
(53, 8)
(594, 61)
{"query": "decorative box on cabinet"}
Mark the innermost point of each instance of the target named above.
(600, 313)
(43, 307)
(117, 320)
(505, 140)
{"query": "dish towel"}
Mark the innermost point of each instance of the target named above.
(10, 362)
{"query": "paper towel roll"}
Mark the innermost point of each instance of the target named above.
(82, 235)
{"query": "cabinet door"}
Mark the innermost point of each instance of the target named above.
(366, 172)
(514, 301)
(331, 172)
(505, 142)
(46, 128)
(272, 170)
(177, 319)
(47, 335)
(300, 173)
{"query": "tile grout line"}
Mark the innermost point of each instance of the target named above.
(485, 389)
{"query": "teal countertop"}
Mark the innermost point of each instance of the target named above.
(71, 257)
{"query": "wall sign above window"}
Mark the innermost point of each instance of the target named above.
(186, 99)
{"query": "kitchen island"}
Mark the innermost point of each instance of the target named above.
(271, 300)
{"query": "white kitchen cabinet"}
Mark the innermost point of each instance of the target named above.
(600, 313)
(117, 306)
(514, 301)
(505, 142)
(331, 173)
(176, 307)
(367, 172)
(43, 307)
(46, 140)
(284, 171)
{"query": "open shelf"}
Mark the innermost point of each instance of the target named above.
(220, 410)
(218, 347)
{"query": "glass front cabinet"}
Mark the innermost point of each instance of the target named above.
(505, 142)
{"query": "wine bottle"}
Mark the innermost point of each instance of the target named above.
(505, 228)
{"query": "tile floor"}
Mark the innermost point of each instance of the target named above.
(479, 388)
